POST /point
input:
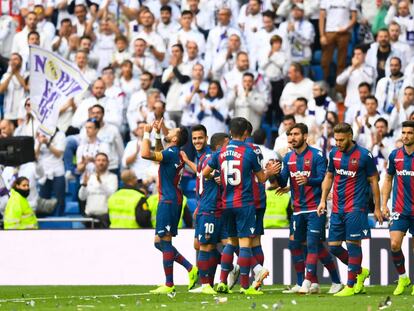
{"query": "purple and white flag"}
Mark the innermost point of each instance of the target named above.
(53, 81)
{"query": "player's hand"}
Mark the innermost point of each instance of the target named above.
(158, 125)
(378, 215)
(302, 180)
(282, 191)
(184, 156)
(321, 209)
(273, 167)
(148, 128)
(385, 212)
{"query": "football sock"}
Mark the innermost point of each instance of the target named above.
(226, 262)
(257, 252)
(203, 266)
(399, 261)
(327, 261)
(244, 261)
(168, 261)
(312, 258)
(339, 252)
(181, 260)
(354, 265)
(298, 259)
(214, 260)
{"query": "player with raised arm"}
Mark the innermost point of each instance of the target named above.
(352, 171)
(236, 162)
(400, 170)
(305, 167)
(170, 199)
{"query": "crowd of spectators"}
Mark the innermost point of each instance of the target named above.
(188, 62)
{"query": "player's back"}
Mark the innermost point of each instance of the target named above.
(169, 175)
(237, 161)
(351, 171)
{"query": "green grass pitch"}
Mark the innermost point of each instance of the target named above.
(81, 298)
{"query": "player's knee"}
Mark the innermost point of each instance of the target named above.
(395, 246)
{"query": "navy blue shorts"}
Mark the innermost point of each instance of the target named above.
(241, 222)
(403, 223)
(306, 224)
(209, 229)
(259, 221)
(351, 226)
(167, 218)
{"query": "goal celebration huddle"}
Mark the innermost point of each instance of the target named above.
(231, 201)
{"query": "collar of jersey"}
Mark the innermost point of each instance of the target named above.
(303, 152)
(406, 153)
(352, 149)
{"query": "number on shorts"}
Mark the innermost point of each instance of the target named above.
(232, 174)
(209, 228)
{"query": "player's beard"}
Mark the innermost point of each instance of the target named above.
(299, 144)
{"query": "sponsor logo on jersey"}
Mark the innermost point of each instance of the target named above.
(405, 173)
(291, 163)
(345, 172)
(300, 173)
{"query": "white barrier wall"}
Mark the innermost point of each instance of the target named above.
(116, 257)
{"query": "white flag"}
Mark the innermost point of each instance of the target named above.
(53, 81)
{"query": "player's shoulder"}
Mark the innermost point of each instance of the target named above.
(395, 152)
(316, 152)
(364, 151)
(288, 155)
(333, 151)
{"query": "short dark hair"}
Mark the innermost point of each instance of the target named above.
(99, 107)
(19, 180)
(182, 136)
(259, 137)
(364, 84)
(166, 8)
(187, 12)
(179, 46)
(148, 74)
(302, 99)
(408, 124)
(238, 126)
(269, 14)
(217, 140)
(276, 38)
(397, 58)
(361, 47)
(199, 128)
(249, 127)
(248, 74)
(66, 20)
(33, 32)
(121, 38)
(343, 128)
(381, 120)
(289, 117)
(109, 67)
(298, 67)
(302, 127)
(102, 154)
(220, 93)
(371, 97)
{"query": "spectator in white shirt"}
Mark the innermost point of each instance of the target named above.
(7, 31)
(85, 44)
(81, 61)
(382, 145)
(364, 90)
(281, 142)
(141, 61)
(60, 43)
(225, 60)
(105, 42)
(203, 19)
(302, 114)
(114, 106)
(336, 20)
(233, 79)
(191, 95)
(390, 89)
(43, 26)
(403, 110)
(96, 189)
(264, 34)
(89, 147)
(321, 102)
(128, 8)
(272, 64)
(156, 47)
(299, 35)
(214, 110)
(27, 6)
(166, 25)
(127, 82)
(399, 12)
(155, 7)
(193, 57)
(402, 47)
(299, 86)
(14, 85)
(186, 33)
(259, 138)
(122, 53)
(30, 124)
(380, 54)
(49, 155)
(358, 72)
(143, 169)
(249, 103)
(175, 76)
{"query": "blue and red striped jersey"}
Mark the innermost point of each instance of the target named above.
(351, 171)
(311, 164)
(259, 189)
(169, 176)
(401, 166)
(208, 191)
(236, 162)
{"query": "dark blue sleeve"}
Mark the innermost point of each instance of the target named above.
(200, 115)
(213, 163)
(391, 164)
(331, 167)
(256, 165)
(371, 167)
(282, 178)
(217, 114)
(320, 171)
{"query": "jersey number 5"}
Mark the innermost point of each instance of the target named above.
(232, 174)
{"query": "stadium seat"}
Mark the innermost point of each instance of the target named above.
(72, 208)
(316, 57)
(316, 72)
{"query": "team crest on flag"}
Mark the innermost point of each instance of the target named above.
(53, 81)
